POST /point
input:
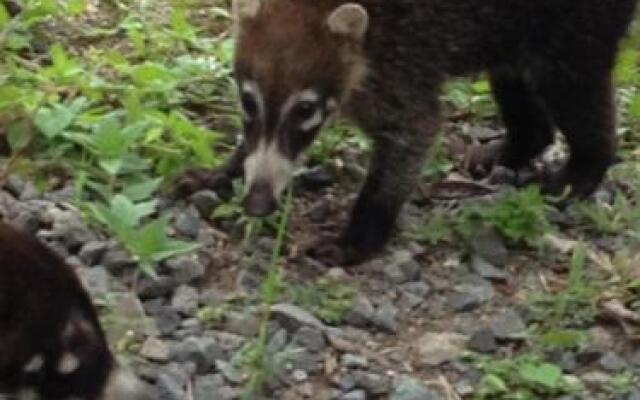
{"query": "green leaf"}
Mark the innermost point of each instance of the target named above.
(568, 338)
(4, 16)
(143, 190)
(52, 121)
(545, 374)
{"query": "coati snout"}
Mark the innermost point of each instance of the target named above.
(383, 62)
(51, 342)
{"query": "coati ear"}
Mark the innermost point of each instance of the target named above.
(245, 9)
(349, 20)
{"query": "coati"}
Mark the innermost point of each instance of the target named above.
(51, 342)
(383, 62)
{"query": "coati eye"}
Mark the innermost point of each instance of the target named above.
(249, 105)
(305, 110)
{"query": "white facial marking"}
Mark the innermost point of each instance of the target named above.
(312, 123)
(268, 164)
(309, 95)
(68, 363)
(34, 365)
(250, 88)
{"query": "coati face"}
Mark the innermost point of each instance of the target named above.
(296, 62)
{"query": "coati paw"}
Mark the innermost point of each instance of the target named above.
(194, 180)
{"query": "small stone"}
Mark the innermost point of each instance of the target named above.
(292, 317)
(116, 260)
(373, 384)
(361, 313)
(185, 300)
(346, 382)
(300, 375)
(155, 350)
(245, 324)
(568, 362)
(634, 395)
(412, 389)
(185, 269)
(385, 317)
(508, 325)
(596, 378)
(206, 201)
(487, 270)
(612, 362)
(230, 372)
(394, 274)
(464, 388)
(462, 302)
(167, 321)
(354, 395)
(188, 223)
(409, 301)
(310, 338)
(419, 288)
(160, 286)
(353, 361)
(490, 246)
(210, 385)
(204, 352)
(483, 341)
(97, 281)
(27, 221)
(437, 348)
(171, 382)
(303, 359)
(92, 252)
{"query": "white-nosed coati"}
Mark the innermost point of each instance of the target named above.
(383, 62)
(51, 342)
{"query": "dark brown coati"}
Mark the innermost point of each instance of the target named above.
(383, 62)
(51, 342)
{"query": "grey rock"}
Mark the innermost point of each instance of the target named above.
(354, 395)
(409, 301)
(171, 382)
(477, 287)
(596, 378)
(277, 341)
(245, 324)
(212, 297)
(361, 313)
(310, 338)
(568, 362)
(419, 288)
(464, 388)
(92, 252)
(373, 384)
(353, 361)
(207, 387)
(612, 362)
(319, 211)
(292, 317)
(394, 274)
(167, 320)
(27, 221)
(385, 317)
(185, 269)
(97, 281)
(206, 201)
(347, 382)
(303, 359)
(230, 372)
(508, 325)
(462, 302)
(185, 300)
(634, 395)
(490, 246)
(151, 288)
(116, 260)
(437, 348)
(483, 341)
(204, 352)
(412, 389)
(155, 349)
(402, 267)
(299, 375)
(487, 270)
(188, 223)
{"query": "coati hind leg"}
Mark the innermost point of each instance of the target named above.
(529, 129)
(580, 101)
(394, 170)
(218, 179)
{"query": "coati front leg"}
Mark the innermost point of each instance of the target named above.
(529, 129)
(217, 179)
(395, 168)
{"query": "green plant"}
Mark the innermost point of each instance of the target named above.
(525, 377)
(327, 298)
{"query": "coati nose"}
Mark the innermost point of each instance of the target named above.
(260, 201)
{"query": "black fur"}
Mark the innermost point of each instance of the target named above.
(45, 312)
(550, 65)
